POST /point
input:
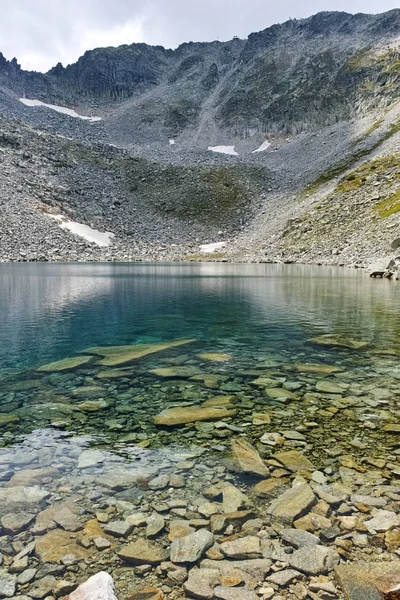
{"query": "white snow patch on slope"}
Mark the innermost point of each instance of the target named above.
(171, 142)
(263, 147)
(60, 109)
(100, 238)
(210, 248)
(224, 150)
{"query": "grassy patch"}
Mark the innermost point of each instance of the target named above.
(357, 178)
(389, 206)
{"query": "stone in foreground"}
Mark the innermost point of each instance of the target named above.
(183, 415)
(201, 583)
(314, 560)
(143, 552)
(248, 458)
(97, 587)
(370, 581)
(292, 504)
(7, 584)
(190, 549)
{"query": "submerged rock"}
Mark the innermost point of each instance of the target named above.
(175, 372)
(332, 340)
(191, 548)
(292, 504)
(143, 552)
(314, 560)
(119, 355)
(247, 458)
(67, 364)
(183, 415)
(372, 581)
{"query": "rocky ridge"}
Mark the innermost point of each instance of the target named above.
(322, 91)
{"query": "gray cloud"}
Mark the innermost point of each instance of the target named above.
(44, 32)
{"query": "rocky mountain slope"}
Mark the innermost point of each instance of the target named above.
(318, 97)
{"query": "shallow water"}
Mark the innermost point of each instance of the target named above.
(96, 433)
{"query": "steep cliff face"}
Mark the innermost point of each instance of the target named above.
(291, 77)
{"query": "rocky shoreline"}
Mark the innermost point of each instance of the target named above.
(268, 480)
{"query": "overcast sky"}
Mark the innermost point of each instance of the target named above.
(41, 33)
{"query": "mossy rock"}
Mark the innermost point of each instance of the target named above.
(338, 341)
(119, 355)
(67, 364)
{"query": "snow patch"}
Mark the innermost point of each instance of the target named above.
(224, 150)
(171, 142)
(263, 147)
(100, 238)
(61, 109)
(210, 248)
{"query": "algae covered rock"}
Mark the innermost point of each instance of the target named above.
(182, 415)
(337, 340)
(119, 355)
(67, 364)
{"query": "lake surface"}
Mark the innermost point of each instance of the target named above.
(87, 438)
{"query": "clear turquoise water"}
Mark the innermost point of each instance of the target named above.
(51, 311)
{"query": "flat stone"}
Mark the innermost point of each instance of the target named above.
(257, 568)
(267, 487)
(26, 576)
(90, 458)
(143, 552)
(191, 548)
(21, 499)
(101, 543)
(315, 368)
(314, 560)
(242, 548)
(339, 341)
(279, 394)
(67, 364)
(8, 584)
(369, 581)
(229, 593)
(368, 500)
(31, 477)
(292, 504)
(65, 518)
(283, 578)
(43, 587)
(118, 479)
(332, 494)
(118, 528)
(13, 523)
(56, 544)
(201, 583)
(182, 415)
(62, 514)
(175, 372)
(119, 355)
(149, 593)
(97, 587)
(114, 374)
(294, 461)
(137, 519)
(155, 524)
(179, 529)
(391, 428)
(382, 521)
(299, 538)
(261, 419)
(248, 459)
(159, 483)
(215, 357)
(327, 387)
(93, 406)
